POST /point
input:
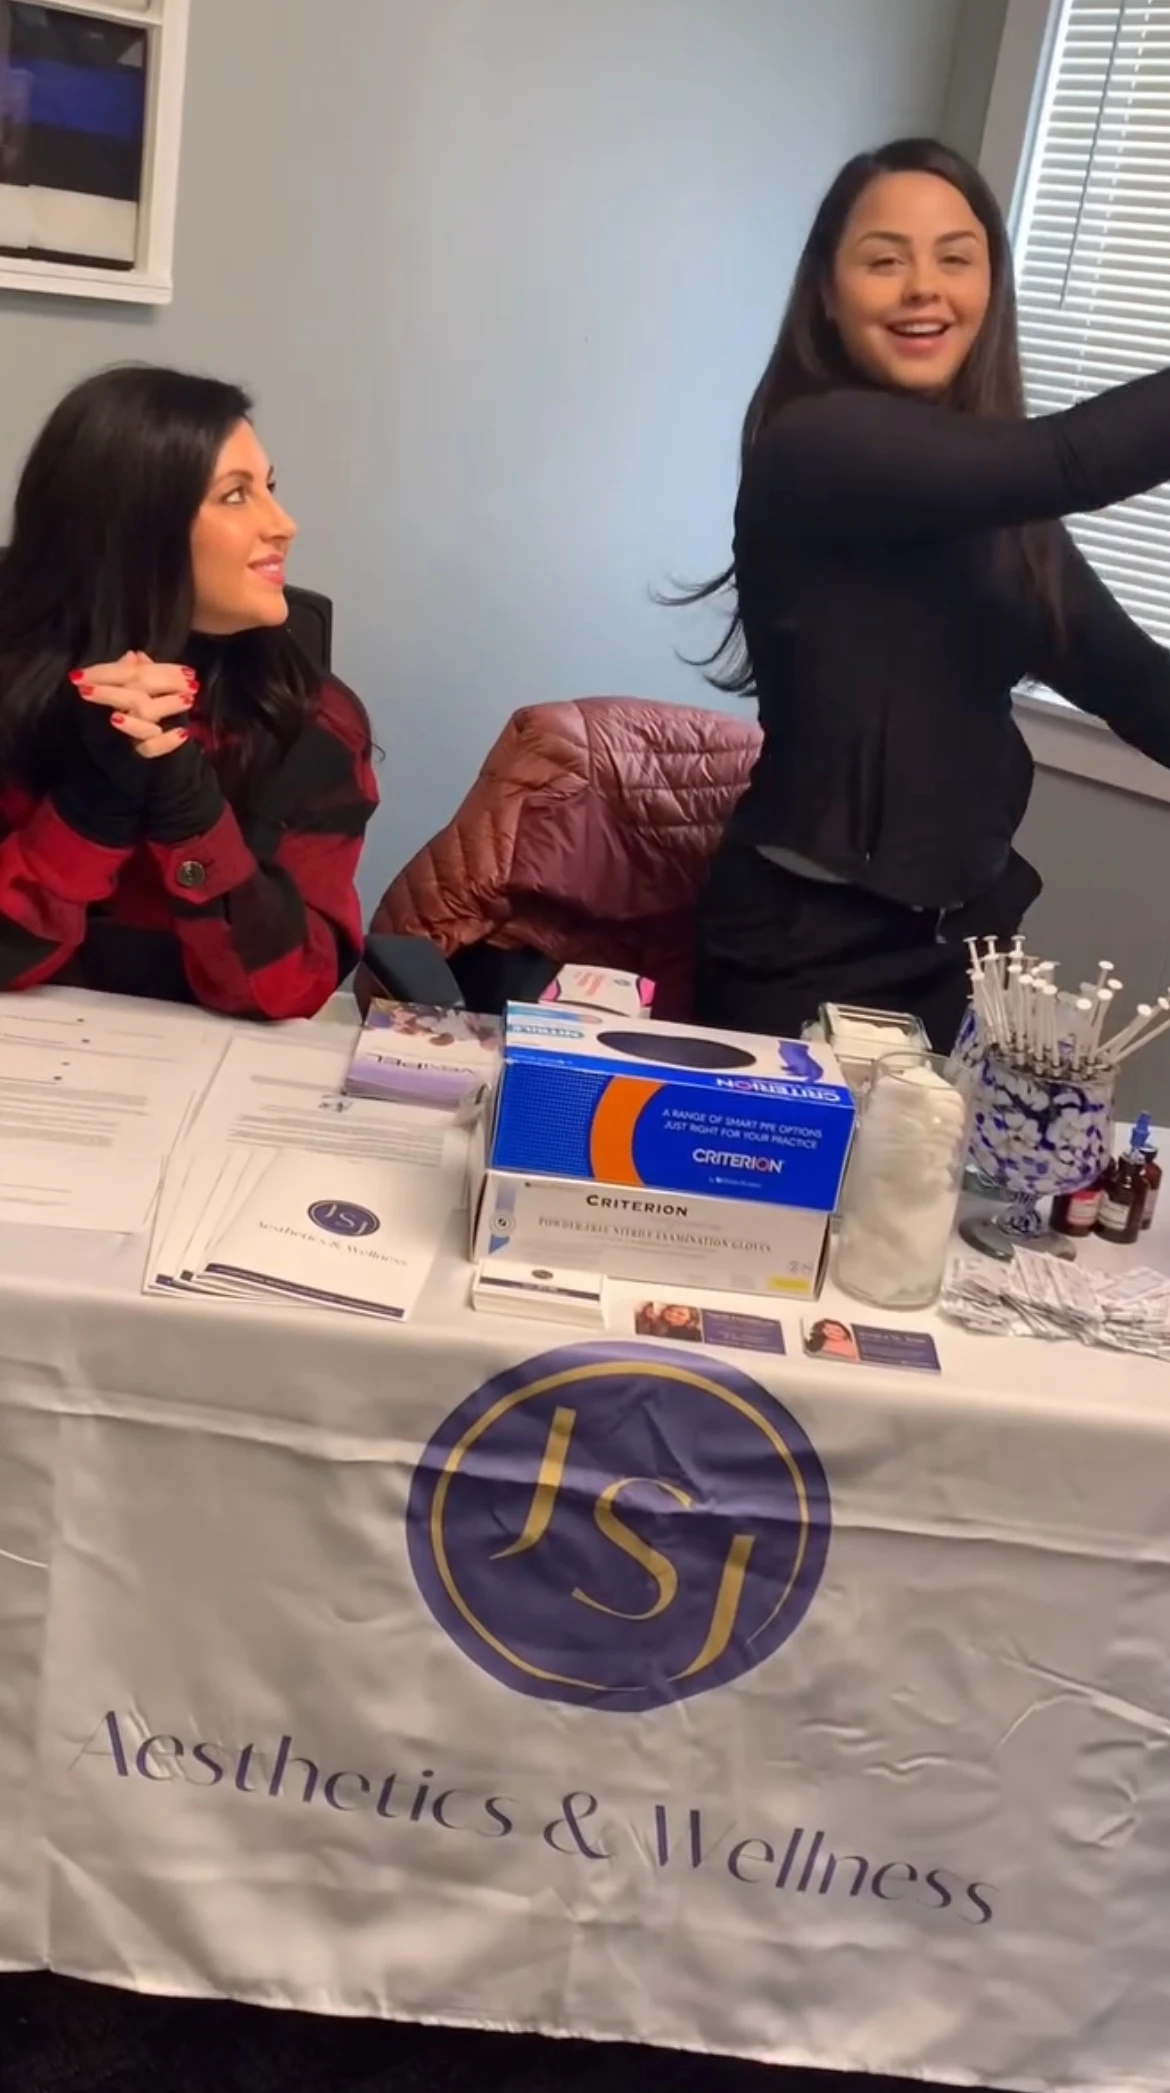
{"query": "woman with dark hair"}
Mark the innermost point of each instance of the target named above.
(831, 1339)
(182, 798)
(899, 568)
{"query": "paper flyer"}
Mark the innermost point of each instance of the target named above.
(347, 1235)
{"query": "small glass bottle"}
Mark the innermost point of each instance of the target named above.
(1124, 1191)
(1153, 1186)
(1075, 1213)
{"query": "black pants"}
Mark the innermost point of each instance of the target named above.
(773, 947)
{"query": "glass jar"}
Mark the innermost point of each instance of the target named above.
(860, 1038)
(905, 1177)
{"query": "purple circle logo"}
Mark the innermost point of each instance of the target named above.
(614, 1527)
(342, 1217)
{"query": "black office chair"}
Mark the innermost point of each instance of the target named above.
(310, 621)
(409, 970)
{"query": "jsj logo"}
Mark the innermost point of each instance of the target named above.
(341, 1217)
(619, 1528)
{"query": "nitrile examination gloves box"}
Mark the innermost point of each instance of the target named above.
(628, 1102)
(659, 1239)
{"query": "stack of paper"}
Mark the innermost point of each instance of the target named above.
(538, 1291)
(1046, 1297)
(324, 1235)
(94, 1094)
(286, 1187)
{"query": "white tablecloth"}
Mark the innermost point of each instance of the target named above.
(480, 1673)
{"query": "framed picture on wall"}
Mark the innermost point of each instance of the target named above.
(91, 106)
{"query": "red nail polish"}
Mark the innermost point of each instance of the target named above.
(188, 701)
(86, 689)
(76, 676)
(191, 676)
(183, 734)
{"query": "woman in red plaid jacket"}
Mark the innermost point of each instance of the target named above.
(182, 797)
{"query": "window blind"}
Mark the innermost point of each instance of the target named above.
(1093, 256)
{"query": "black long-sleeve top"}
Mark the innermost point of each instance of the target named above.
(889, 614)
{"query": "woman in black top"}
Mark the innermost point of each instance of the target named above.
(900, 567)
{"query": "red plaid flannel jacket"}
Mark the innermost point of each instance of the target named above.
(255, 916)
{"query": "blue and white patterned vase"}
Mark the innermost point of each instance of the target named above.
(967, 1054)
(1039, 1136)
(965, 1066)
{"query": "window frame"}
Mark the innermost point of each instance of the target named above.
(151, 280)
(1059, 737)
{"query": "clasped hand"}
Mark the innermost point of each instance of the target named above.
(143, 698)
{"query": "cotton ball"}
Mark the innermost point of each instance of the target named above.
(903, 1188)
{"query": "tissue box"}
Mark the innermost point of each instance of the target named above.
(721, 1245)
(625, 1101)
(600, 989)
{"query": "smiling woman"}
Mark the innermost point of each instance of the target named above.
(240, 541)
(911, 282)
(182, 798)
(900, 566)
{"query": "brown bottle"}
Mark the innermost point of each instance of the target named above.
(1153, 1186)
(1124, 1192)
(1075, 1213)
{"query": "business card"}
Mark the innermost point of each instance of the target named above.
(866, 1344)
(683, 1322)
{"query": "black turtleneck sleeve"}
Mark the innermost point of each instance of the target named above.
(865, 468)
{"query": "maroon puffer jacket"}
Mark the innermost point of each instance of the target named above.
(586, 837)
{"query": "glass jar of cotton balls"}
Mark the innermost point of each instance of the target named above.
(904, 1181)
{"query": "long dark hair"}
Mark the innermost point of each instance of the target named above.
(809, 357)
(99, 563)
(818, 1336)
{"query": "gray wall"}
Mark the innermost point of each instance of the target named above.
(503, 274)
(979, 30)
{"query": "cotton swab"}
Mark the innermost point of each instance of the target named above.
(1120, 1040)
(1097, 1022)
(1051, 1045)
(1136, 1045)
(1147, 1014)
(1022, 1014)
(1083, 1008)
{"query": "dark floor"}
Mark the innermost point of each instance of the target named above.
(58, 2037)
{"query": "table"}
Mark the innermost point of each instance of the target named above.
(480, 1673)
